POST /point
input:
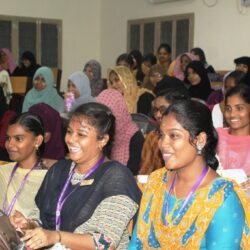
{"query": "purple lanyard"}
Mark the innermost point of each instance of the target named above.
(192, 191)
(62, 197)
(8, 211)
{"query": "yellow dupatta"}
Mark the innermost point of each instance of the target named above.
(198, 216)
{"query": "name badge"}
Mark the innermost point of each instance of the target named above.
(86, 182)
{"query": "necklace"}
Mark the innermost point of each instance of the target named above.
(63, 197)
(13, 201)
(168, 216)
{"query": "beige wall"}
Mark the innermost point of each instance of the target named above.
(220, 30)
(98, 28)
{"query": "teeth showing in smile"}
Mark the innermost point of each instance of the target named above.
(74, 149)
(234, 120)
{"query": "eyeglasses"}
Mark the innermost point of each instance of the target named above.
(161, 109)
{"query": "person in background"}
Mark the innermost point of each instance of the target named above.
(186, 205)
(53, 135)
(230, 80)
(43, 91)
(199, 53)
(147, 62)
(243, 64)
(28, 65)
(125, 60)
(6, 61)
(196, 77)
(164, 56)
(5, 85)
(128, 139)
(181, 63)
(233, 148)
(21, 179)
(151, 157)
(79, 90)
(138, 99)
(93, 71)
(137, 67)
(87, 201)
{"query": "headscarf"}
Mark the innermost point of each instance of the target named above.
(7, 87)
(125, 128)
(54, 148)
(131, 91)
(27, 71)
(244, 60)
(10, 61)
(81, 82)
(96, 83)
(48, 95)
(203, 89)
(178, 73)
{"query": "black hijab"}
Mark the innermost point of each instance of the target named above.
(203, 89)
(110, 179)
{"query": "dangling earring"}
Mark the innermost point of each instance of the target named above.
(37, 147)
(199, 149)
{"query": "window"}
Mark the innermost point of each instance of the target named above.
(147, 34)
(40, 36)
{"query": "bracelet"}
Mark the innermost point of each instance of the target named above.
(60, 236)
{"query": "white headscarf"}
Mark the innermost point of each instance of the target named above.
(6, 85)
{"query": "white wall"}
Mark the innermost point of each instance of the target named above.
(80, 24)
(221, 30)
(98, 28)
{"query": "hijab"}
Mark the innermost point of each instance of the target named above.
(125, 128)
(10, 61)
(244, 60)
(48, 95)
(131, 91)
(54, 148)
(81, 82)
(203, 89)
(96, 83)
(7, 87)
(178, 73)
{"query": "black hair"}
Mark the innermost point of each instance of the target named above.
(150, 57)
(100, 117)
(198, 51)
(28, 55)
(174, 94)
(242, 90)
(127, 58)
(164, 46)
(195, 117)
(238, 76)
(30, 123)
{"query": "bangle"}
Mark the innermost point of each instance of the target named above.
(60, 236)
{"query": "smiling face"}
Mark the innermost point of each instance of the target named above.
(21, 144)
(160, 105)
(115, 82)
(237, 115)
(72, 88)
(241, 67)
(81, 139)
(174, 144)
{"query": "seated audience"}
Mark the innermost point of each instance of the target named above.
(234, 141)
(43, 91)
(78, 92)
(85, 202)
(137, 66)
(7, 61)
(199, 53)
(196, 77)
(151, 157)
(125, 60)
(186, 205)
(243, 64)
(21, 179)
(164, 56)
(5, 85)
(94, 72)
(28, 65)
(230, 80)
(138, 99)
(128, 139)
(147, 62)
(53, 135)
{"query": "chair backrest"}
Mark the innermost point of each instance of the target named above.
(57, 75)
(144, 123)
(20, 84)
